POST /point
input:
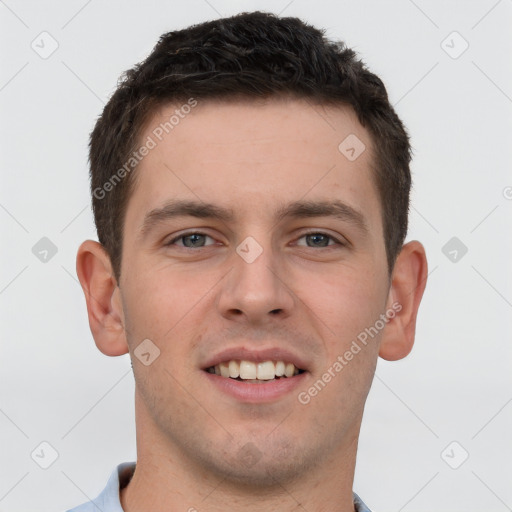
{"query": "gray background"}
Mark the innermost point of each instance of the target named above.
(456, 384)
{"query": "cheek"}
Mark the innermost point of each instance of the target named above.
(161, 303)
(162, 308)
(346, 302)
(343, 381)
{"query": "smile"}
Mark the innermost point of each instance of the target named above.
(249, 371)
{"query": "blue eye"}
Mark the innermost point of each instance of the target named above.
(319, 240)
(191, 240)
(198, 240)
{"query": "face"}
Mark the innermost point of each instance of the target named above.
(250, 241)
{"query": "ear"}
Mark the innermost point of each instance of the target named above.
(408, 283)
(102, 295)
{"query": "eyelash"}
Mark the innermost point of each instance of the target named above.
(185, 235)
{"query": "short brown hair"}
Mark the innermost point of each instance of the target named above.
(250, 55)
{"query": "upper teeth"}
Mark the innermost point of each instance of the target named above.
(248, 370)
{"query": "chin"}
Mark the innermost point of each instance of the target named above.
(263, 475)
(256, 467)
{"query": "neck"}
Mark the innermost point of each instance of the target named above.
(166, 479)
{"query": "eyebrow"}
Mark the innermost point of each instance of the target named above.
(336, 209)
(178, 208)
(294, 210)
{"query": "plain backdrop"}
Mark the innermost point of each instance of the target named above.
(436, 434)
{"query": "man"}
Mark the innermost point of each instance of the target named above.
(250, 186)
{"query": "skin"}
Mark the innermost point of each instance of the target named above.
(194, 442)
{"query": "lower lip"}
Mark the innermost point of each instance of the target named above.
(268, 391)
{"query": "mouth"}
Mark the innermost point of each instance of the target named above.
(258, 376)
(255, 373)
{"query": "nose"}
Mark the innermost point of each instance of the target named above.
(256, 289)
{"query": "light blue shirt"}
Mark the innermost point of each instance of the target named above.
(108, 500)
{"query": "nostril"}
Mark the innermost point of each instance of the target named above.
(237, 312)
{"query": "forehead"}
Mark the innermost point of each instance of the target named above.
(250, 156)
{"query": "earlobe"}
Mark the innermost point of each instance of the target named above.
(104, 307)
(407, 286)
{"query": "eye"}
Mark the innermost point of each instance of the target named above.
(318, 239)
(191, 240)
